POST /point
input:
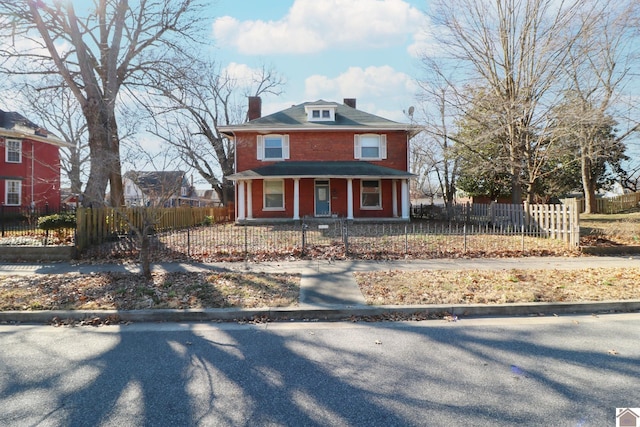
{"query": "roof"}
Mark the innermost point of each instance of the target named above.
(325, 169)
(15, 125)
(157, 181)
(295, 118)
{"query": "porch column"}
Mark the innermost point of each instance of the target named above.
(241, 210)
(404, 196)
(296, 198)
(394, 197)
(249, 200)
(350, 198)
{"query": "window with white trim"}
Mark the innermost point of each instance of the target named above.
(370, 194)
(370, 147)
(273, 195)
(13, 192)
(13, 151)
(321, 113)
(273, 147)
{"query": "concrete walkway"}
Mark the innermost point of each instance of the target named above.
(329, 290)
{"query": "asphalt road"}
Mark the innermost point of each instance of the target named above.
(534, 371)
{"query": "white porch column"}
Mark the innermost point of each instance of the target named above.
(296, 198)
(249, 200)
(241, 209)
(394, 197)
(404, 197)
(350, 198)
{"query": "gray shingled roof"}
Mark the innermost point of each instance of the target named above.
(346, 169)
(15, 125)
(296, 117)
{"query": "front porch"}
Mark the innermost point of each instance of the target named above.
(352, 191)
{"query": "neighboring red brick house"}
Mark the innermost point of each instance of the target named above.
(29, 164)
(320, 159)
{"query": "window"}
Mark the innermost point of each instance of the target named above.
(370, 195)
(321, 113)
(13, 151)
(274, 195)
(370, 147)
(273, 147)
(13, 193)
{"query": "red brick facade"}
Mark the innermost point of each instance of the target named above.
(333, 184)
(37, 172)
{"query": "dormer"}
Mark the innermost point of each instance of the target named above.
(321, 112)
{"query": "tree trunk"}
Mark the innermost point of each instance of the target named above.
(145, 249)
(588, 186)
(100, 154)
(116, 196)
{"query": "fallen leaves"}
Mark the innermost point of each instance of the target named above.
(126, 291)
(498, 286)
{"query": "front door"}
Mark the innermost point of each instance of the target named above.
(323, 207)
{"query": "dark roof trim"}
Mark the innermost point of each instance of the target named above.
(295, 118)
(347, 169)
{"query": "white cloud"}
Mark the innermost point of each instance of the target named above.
(242, 73)
(379, 90)
(312, 26)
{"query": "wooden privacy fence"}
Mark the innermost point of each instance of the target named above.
(95, 226)
(612, 205)
(556, 221)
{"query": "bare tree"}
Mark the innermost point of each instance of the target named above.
(434, 150)
(58, 111)
(194, 101)
(598, 71)
(515, 50)
(96, 55)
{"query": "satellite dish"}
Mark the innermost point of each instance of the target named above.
(411, 110)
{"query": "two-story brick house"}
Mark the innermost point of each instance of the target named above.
(320, 159)
(29, 164)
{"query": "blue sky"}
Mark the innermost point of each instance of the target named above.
(329, 49)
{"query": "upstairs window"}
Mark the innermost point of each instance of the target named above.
(273, 147)
(321, 113)
(13, 151)
(370, 147)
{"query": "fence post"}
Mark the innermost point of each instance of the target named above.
(464, 233)
(245, 241)
(406, 240)
(345, 237)
(522, 228)
(304, 237)
(189, 241)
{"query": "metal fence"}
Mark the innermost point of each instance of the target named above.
(19, 226)
(333, 240)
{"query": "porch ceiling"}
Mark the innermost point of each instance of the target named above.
(346, 169)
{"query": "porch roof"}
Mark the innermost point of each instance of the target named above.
(346, 169)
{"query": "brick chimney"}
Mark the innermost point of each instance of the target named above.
(255, 108)
(350, 102)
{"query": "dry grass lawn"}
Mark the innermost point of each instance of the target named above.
(499, 286)
(121, 291)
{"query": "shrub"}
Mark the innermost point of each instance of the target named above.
(208, 220)
(57, 221)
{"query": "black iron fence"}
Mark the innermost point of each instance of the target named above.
(335, 240)
(19, 226)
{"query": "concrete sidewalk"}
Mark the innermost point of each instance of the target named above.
(329, 290)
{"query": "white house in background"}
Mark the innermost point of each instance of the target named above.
(164, 188)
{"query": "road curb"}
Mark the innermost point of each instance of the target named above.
(336, 313)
